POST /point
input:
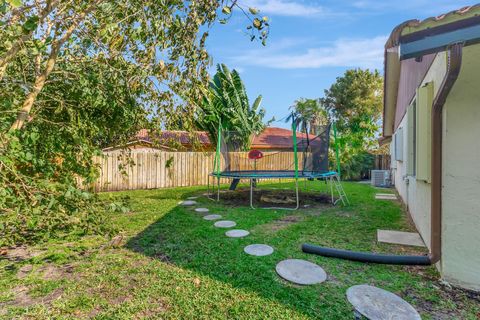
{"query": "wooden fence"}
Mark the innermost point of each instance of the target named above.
(382, 162)
(159, 169)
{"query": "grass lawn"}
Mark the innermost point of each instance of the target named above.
(169, 263)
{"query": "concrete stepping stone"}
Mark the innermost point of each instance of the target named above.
(258, 250)
(212, 217)
(237, 233)
(202, 210)
(385, 196)
(300, 271)
(188, 203)
(225, 224)
(378, 304)
(192, 198)
(400, 237)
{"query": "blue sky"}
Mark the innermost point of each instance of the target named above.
(311, 43)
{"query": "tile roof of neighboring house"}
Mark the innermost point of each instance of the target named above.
(182, 137)
(270, 138)
(408, 30)
(276, 138)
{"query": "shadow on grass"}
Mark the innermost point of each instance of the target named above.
(181, 237)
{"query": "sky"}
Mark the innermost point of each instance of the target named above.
(311, 43)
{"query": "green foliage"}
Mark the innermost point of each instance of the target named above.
(354, 102)
(227, 101)
(80, 75)
(354, 165)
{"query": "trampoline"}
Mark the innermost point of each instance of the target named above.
(304, 156)
(274, 174)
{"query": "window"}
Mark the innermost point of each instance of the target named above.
(399, 144)
(393, 163)
(424, 131)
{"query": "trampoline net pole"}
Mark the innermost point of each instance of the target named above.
(217, 154)
(295, 156)
(337, 155)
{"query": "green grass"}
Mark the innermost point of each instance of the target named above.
(172, 264)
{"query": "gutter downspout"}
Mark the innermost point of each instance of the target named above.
(454, 63)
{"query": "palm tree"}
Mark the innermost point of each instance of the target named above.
(308, 114)
(226, 101)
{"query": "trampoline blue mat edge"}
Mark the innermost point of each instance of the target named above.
(272, 174)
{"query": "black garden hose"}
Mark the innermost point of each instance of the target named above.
(366, 257)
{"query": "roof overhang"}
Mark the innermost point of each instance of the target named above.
(415, 38)
(435, 39)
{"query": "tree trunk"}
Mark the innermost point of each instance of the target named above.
(40, 80)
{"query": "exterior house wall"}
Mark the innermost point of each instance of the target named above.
(461, 176)
(411, 74)
(416, 194)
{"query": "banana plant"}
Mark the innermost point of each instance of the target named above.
(226, 101)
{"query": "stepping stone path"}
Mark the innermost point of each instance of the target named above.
(212, 217)
(258, 250)
(192, 198)
(300, 271)
(202, 210)
(376, 304)
(188, 203)
(237, 233)
(225, 224)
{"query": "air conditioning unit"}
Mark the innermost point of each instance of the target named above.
(381, 178)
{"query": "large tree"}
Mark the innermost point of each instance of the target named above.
(354, 102)
(78, 74)
(226, 101)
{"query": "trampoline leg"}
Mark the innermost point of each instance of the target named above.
(208, 187)
(296, 193)
(251, 194)
(218, 188)
(331, 189)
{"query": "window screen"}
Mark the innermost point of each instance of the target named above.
(424, 132)
(399, 144)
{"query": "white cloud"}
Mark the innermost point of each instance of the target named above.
(419, 7)
(285, 8)
(364, 53)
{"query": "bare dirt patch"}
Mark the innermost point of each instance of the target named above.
(269, 198)
(23, 299)
(155, 308)
(459, 296)
(53, 272)
(18, 254)
(282, 223)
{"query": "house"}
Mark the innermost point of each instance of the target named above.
(270, 139)
(168, 140)
(279, 139)
(431, 119)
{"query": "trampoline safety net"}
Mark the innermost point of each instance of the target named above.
(276, 154)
